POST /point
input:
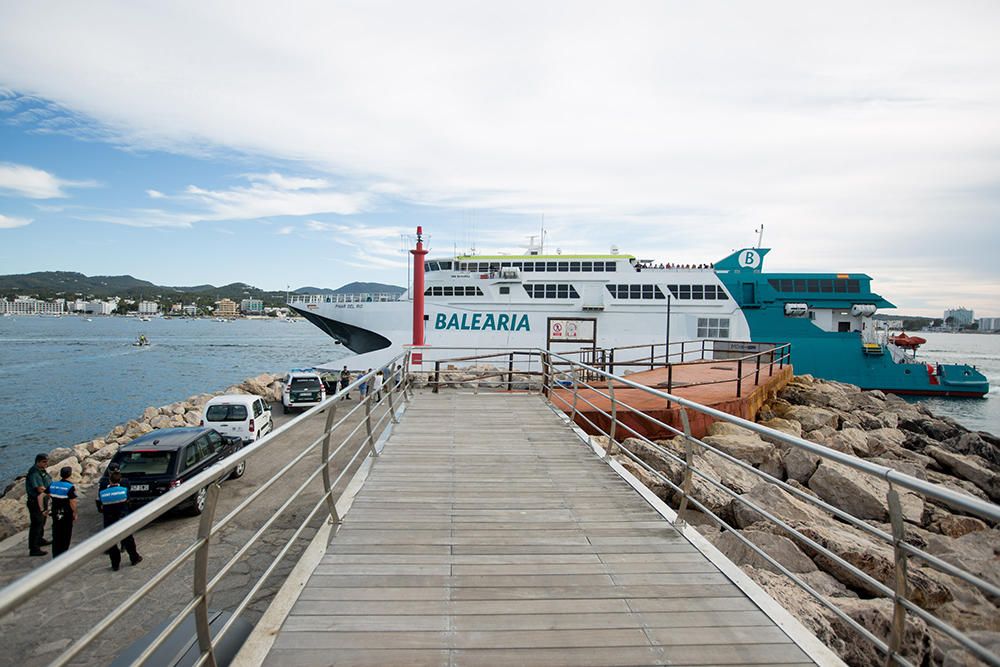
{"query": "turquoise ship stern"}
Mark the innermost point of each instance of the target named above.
(827, 319)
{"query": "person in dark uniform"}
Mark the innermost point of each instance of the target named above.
(63, 495)
(112, 503)
(36, 483)
(345, 381)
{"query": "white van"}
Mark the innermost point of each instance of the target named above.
(242, 415)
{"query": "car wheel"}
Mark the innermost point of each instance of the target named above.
(198, 501)
(239, 470)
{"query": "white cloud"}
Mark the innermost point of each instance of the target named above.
(155, 194)
(285, 231)
(24, 181)
(857, 133)
(9, 222)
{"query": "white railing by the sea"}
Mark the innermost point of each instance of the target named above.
(360, 297)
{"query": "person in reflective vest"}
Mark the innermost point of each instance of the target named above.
(63, 510)
(112, 503)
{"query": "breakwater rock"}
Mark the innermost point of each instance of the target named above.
(89, 459)
(877, 427)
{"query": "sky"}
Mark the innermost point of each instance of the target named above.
(214, 142)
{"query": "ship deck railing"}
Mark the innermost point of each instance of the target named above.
(359, 297)
(565, 385)
(747, 359)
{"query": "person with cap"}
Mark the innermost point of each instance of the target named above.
(345, 382)
(36, 484)
(63, 495)
(112, 503)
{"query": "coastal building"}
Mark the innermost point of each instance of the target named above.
(959, 317)
(989, 323)
(148, 308)
(190, 310)
(76, 306)
(252, 307)
(226, 308)
(25, 305)
(100, 307)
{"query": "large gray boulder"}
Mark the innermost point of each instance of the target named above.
(60, 453)
(861, 495)
(778, 547)
(13, 516)
(821, 394)
(812, 418)
(800, 464)
(882, 440)
(746, 447)
(971, 468)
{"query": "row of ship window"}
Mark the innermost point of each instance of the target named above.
(589, 266)
(828, 285)
(568, 291)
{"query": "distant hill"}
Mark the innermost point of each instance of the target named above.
(69, 285)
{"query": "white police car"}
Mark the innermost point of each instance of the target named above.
(303, 388)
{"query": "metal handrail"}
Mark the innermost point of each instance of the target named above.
(897, 592)
(39, 581)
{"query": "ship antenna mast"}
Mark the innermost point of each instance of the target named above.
(760, 235)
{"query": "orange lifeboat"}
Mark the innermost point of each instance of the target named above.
(907, 342)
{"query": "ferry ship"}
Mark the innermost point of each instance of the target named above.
(508, 301)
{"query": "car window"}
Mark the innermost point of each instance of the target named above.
(258, 409)
(224, 412)
(191, 455)
(305, 383)
(214, 441)
(204, 448)
(144, 462)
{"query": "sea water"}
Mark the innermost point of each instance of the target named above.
(66, 380)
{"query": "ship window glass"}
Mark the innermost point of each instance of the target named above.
(563, 292)
(709, 291)
(800, 285)
(787, 285)
(504, 265)
(720, 294)
(574, 266)
(840, 285)
(505, 290)
(853, 286)
(713, 327)
(564, 266)
(449, 291)
(684, 292)
(529, 266)
(494, 267)
(813, 285)
(550, 291)
(550, 266)
(445, 266)
(427, 266)
(697, 291)
(826, 285)
(610, 266)
(647, 291)
(673, 290)
(776, 284)
(517, 265)
(586, 266)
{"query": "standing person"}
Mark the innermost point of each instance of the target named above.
(63, 495)
(377, 388)
(345, 382)
(112, 502)
(36, 483)
(363, 388)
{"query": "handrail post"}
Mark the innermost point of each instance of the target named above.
(437, 377)
(368, 425)
(510, 372)
(702, 349)
(652, 356)
(756, 377)
(546, 374)
(670, 378)
(770, 362)
(739, 377)
(576, 391)
(391, 387)
(200, 584)
(612, 444)
(682, 352)
(898, 627)
(688, 466)
(331, 505)
(611, 362)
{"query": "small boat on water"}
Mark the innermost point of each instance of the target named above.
(141, 341)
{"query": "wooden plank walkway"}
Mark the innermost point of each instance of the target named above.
(488, 534)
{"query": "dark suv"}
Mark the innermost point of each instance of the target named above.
(164, 459)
